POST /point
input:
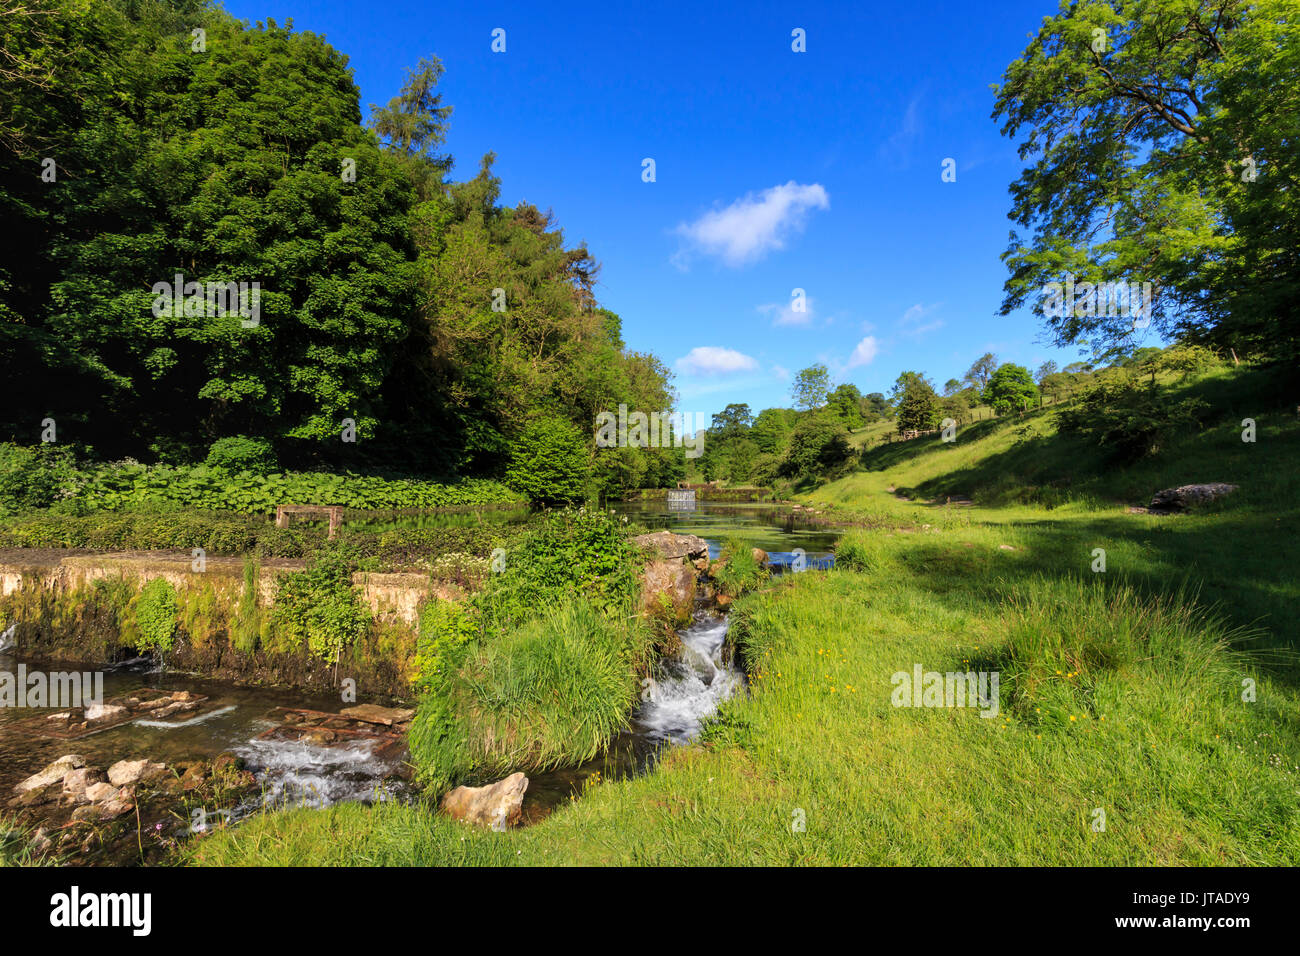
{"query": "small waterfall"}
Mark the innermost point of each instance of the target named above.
(681, 499)
(690, 687)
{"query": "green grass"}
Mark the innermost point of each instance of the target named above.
(1161, 693)
(553, 691)
(1184, 770)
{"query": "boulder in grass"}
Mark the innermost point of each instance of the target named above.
(498, 805)
(1186, 496)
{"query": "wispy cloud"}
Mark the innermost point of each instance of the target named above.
(752, 226)
(913, 321)
(864, 353)
(713, 360)
(897, 149)
(785, 314)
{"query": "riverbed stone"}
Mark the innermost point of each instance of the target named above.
(97, 713)
(374, 714)
(54, 771)
(100, 792)
(126, 772)
(498, 805)
(673, 547)
(76, 781)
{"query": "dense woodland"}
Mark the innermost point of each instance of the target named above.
(250, 160)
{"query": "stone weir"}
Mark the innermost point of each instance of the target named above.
(70, 606)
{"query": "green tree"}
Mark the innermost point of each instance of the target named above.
(1010, 389)
(981, 371)
(817, 446)
(811, 387)
(917, 404)
(1174, 123)
(845, 403)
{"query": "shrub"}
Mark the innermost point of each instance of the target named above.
(155, 616)
(569, 552)
(1128, 420)
(242, 454)
(549, 462)
(35, 477)
(319, 606)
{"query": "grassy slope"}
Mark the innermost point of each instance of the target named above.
(1160, 739)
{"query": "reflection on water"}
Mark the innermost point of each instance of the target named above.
(760, 524)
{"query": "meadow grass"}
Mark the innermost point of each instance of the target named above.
(1147, 714)
(1111, 701)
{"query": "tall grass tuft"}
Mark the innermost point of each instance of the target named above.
(553, 691)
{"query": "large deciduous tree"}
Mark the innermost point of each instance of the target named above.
(1163, 144)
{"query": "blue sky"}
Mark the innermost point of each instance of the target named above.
(774, 170)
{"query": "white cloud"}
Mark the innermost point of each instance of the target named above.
(910, 323)
(781, 372)
(753, 225)
(712, 360)
(784, 314)
(865, 352)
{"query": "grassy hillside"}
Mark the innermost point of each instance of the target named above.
(1057, 497)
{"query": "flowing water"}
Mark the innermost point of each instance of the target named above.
(683, 693)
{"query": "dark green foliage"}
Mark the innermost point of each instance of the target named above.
(918, 406)
(1177, 135)
(1129, 420)
(35, 477)
(817, 446)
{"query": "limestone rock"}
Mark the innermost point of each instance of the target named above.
(76, 781)
(1185, 496)
(101, 712)
(100, 792)
(673, 580)
(52, 773)
(497, 805)
(126, 772)
(673, 547)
